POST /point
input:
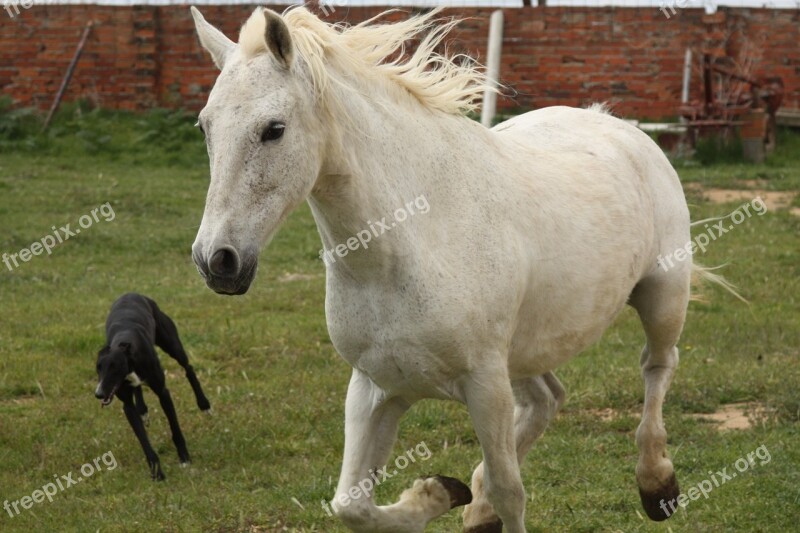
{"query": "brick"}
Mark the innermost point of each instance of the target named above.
(144, 56)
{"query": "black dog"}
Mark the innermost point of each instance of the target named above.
(129, 359)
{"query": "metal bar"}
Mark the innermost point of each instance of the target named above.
(687, 76)
(492, 68)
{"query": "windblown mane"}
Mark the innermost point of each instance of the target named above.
(369, 51)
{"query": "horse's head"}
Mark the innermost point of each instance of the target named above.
(264, 144)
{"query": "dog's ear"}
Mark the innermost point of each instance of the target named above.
(125, 347)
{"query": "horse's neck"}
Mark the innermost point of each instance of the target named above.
(392, 157)
(395, 155)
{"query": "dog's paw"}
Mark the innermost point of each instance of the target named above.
(186, 464)
(155, 471)
(204, 404)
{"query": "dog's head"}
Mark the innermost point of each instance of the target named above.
(112, 368)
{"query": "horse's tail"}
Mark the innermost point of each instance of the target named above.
(701, 274)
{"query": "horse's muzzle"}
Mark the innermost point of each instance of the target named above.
(225, 270)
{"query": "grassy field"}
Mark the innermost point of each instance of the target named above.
(271, 450)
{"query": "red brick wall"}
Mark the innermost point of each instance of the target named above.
(140, 57)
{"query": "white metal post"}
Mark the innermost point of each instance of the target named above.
(492, 67)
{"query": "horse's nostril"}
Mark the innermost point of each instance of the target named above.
(224, 263)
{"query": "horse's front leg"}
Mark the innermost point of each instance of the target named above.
(536, 401)
(490, 401)
(371, 421)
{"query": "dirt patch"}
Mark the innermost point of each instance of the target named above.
(728, 417)
(772, 199)
(735, 416)
(750, 190)
(608, 414)
(21, 400)
(289, 277)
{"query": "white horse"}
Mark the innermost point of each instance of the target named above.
(539, 231)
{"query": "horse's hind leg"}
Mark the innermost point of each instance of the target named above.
(661, 302)
(536, 402)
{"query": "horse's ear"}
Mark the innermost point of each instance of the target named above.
(212, 39)
(278, 39)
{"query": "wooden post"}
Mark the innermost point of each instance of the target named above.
(753, 132)
(68, 75)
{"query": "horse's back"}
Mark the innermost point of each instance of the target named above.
(604, 147)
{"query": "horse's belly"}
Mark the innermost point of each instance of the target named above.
(550, 334)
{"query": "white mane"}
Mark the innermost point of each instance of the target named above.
(371, 51)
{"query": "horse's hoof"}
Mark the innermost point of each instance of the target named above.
(459, 493)
(657, 503)
(489, 527)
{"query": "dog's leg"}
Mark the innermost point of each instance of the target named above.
(141, 407)
(135, 420)
(169, 410)
(167, 339)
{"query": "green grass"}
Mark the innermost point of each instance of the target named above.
(277, 386)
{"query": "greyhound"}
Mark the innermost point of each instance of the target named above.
(134, 327)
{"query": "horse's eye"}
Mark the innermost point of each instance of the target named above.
(201, 128)
(273, 132)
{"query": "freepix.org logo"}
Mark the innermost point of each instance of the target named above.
(59, 235)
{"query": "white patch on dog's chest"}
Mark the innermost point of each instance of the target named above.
(133, 379)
